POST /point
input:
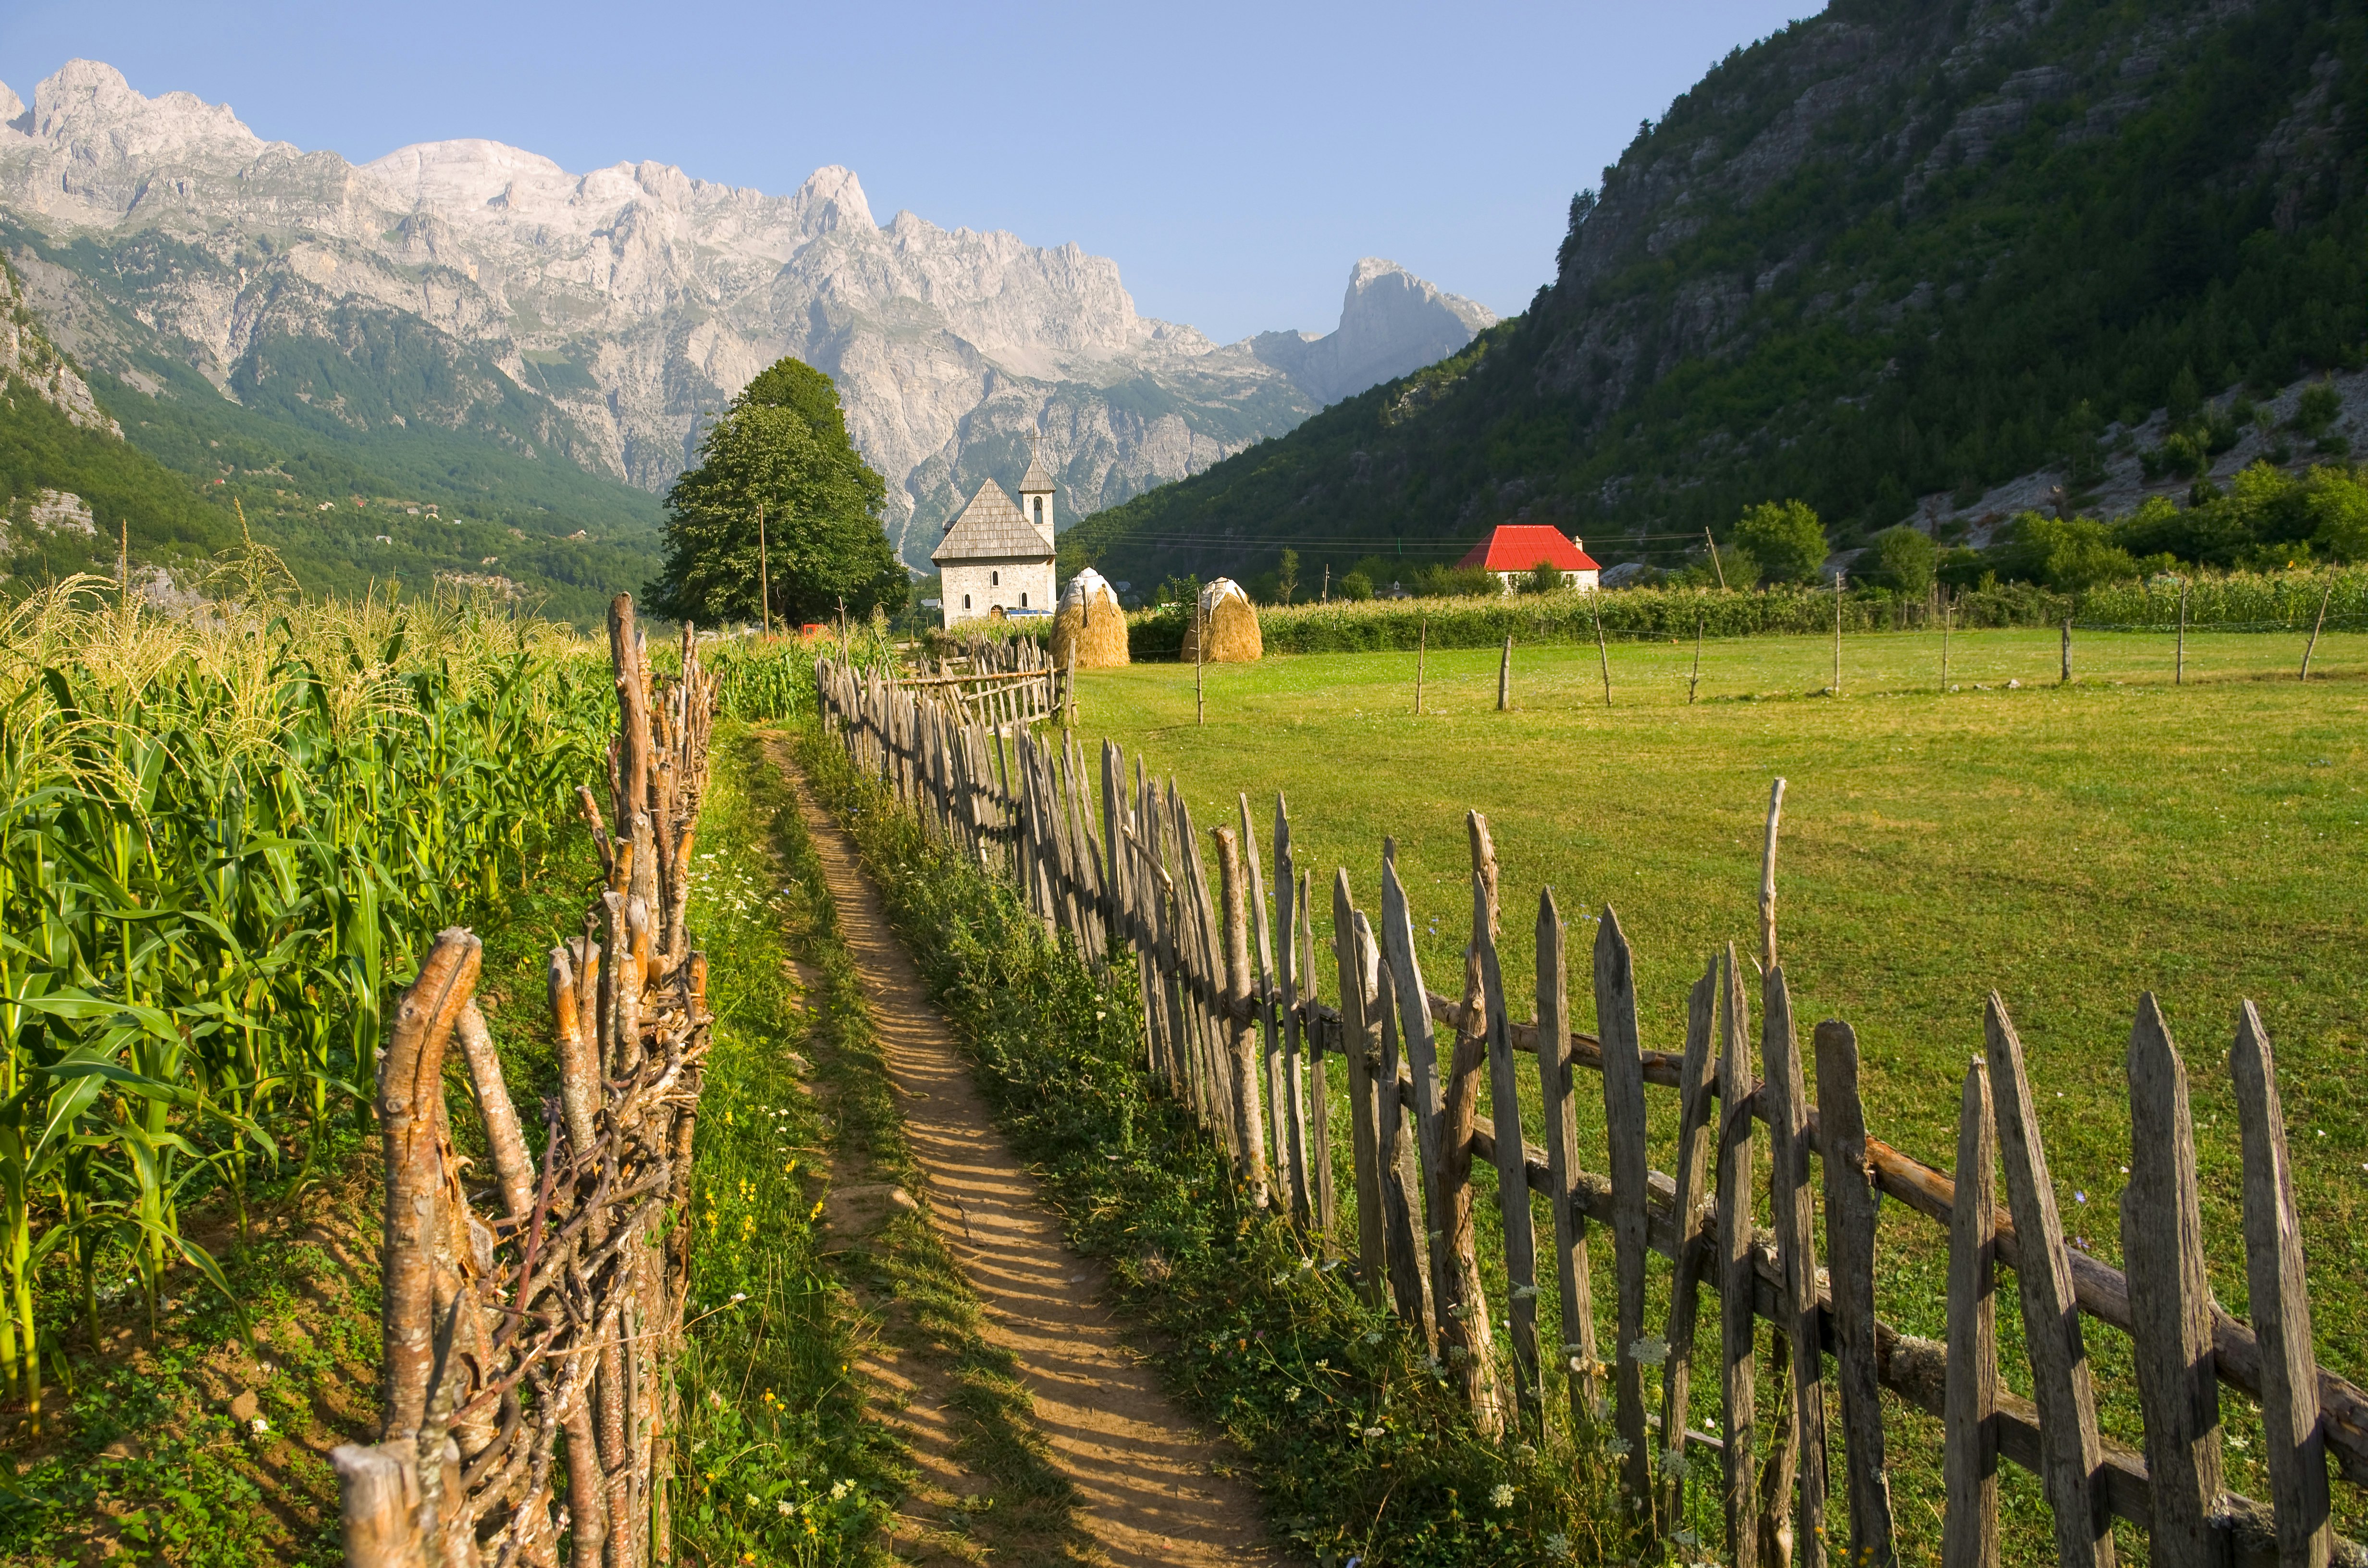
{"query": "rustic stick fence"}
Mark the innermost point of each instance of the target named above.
(526, 1326)
(1236, 1031)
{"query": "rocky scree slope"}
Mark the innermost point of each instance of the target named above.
(1883, 260)
(595, 319)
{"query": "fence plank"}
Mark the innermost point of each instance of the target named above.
(1561, 1122)
(1513, 1195)
(1697, 1089)
(1422, 1060)
(1360, 1000)
(2297, 1456)
(1793, 1209)
(1738, 1336)
(2059, 1362)
(1290, 910)
(1402, 1181)
(1969, 1444)
(1850, 1202)
(1237, 886)
(2171, 1302)
(1624, 1124)
(1319, 1104)
(1469, 1339)
(1277, 1151)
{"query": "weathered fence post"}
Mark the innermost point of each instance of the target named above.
(1250, 1157)
(1738, 1337)
(1969, 1450)
(1624, 1125)
(1561, 1125)
(1850, 1245)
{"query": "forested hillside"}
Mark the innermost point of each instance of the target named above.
(1897, 249)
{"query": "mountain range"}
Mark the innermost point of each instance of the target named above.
(1900, 260)
(468, 315)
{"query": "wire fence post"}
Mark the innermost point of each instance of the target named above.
(2179, 663)
(1695, 679)
(2068, 650)
(1602, 653)
(2316, 626)
(1838, 632)
(1948, 613)
(1421, 648)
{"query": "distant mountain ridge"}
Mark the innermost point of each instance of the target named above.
(595, 319)
(1886, 261)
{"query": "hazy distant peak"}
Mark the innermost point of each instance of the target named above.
(12, 110)
(835, 191)
(1392, 322)
(87, 100)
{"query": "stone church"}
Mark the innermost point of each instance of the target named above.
(996, 557)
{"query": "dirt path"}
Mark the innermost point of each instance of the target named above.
(1143, 1474)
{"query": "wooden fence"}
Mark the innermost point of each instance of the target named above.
(1236, 1029)
(526, 1326)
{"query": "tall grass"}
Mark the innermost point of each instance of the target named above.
(223, 839)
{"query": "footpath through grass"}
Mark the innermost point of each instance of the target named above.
(2068, 847)
(1354, 1441)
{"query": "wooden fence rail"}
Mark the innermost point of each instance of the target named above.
(526, 1327)
(1244, 1043)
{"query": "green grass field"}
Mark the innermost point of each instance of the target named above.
(2067, 846)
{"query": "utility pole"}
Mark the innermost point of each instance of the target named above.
(1201, 656)
(1715, 563)
(764, 580)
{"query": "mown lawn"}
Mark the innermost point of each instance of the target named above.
(2069, 847)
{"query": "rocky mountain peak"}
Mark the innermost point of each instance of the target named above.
(1392, 322)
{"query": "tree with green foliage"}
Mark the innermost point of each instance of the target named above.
(1286, 576)
(781, 450)
(1903, 559)
(1785, 537)
(1545, 577)
(1355, 585)
(2068, 554)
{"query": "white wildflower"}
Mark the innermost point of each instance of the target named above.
(1557, 1545)
(1372, 1431)
(784, 1507)
(1650, 1351)
(260, 1426)
(1500, 1495)
(839, 1489)
(1290, 1396)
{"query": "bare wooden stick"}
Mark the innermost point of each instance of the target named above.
(1849, 1243)
(1359, 986)
(513, 1166)
(2296, 1452)
(1969, 1453)
(2316, 628)
(1768, 877)
(2059, 1361)
(1623, 1122)
(2171, 1302)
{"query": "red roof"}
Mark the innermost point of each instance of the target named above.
(1516, 547)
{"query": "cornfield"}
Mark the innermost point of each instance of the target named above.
(224, 842)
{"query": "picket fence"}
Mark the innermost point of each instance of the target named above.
(527, 1396)
(1236, 1029)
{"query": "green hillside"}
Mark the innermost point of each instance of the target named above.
(1896, 249)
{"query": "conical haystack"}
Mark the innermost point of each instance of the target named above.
(1090, 623)
(1233, 626)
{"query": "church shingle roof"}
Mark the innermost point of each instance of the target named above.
(992, 528)
(1037, 477)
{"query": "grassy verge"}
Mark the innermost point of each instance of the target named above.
(2069, 847)
(1359, 1449)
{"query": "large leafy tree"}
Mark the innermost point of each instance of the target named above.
(782, 446)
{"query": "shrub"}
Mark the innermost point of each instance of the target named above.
(1545, 577)
(1785, 537)
(2068, 554)
(1438, 582)
(1355, 587)
(1905, 559)
(2317, 408)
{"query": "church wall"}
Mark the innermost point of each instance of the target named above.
(972, 588)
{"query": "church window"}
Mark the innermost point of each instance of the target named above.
(1039, 511)
(1023, 601)
(965, 601)
(995, 579)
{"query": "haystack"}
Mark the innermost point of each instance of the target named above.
(1233, 626)
(1090, 623)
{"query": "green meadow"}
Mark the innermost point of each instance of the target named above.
(2068, 846)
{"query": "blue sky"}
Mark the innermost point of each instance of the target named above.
(1235, 159)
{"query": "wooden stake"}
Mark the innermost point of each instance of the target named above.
(1505, 676)
(1695, 679)
(1768, 878)
(2068, 650)
(1199, 657)
(1603, 655)
(1948, 614)
(2316, 628)
(1421, 648)
(2179, 667)
(1969, 1452)
(1838, 632)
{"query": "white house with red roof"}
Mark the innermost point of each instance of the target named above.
(1516, 550)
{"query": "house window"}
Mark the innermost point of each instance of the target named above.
(965, 601)
(995, 579)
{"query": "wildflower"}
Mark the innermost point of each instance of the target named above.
(1616, 1447)
(752, 1499)
(1500, 1495)
(1674, 1463)
(739, 1295)
(1290, 1396)
(260, 1426)
(839, 1489)
(1557, 1545)
(1373, 1335)
(1372, 1431)
(1525, 1292)
(784, 1508)
(1650, 1351)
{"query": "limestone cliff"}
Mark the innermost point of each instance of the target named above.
(598, 317)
